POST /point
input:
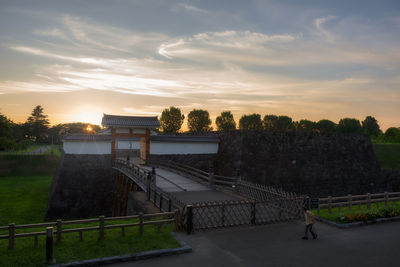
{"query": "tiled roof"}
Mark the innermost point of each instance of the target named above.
(87, 137)
(116, 120)
(173, 138)
(184, 138)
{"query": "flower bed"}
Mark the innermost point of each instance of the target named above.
(369, 215)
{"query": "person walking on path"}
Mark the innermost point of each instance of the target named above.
(310, 220)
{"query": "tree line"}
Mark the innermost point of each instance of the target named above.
(199, 121)
(37, 130)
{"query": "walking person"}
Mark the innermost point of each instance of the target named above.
(310, 220)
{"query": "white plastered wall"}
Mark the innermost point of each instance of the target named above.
(182, 148)
(87, 147)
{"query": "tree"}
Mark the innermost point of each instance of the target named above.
(199, 121)
(6, 133)
(305, 126)
(38, 125)
(392, 134)
(171, 120)
(270, 122)
(370, 126)
(284, 123)
(326, 126)
(349, 125)
(250, 122)
(225, 121)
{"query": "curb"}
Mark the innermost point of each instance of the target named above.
(185, 248)
(356, 224)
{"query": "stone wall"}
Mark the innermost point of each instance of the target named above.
(309, 163)
(82, 187)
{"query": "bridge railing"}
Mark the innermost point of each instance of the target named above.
(208, 178)
(160, 198)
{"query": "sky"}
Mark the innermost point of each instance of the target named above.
(305, 59)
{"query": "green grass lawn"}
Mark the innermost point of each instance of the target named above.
(336, 215)
(23, 199)
(388, 154)
(70, 249)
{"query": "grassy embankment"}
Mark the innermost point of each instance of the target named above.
(24, 190)
(388, 155)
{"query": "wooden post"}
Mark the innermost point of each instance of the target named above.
(148, 181)
(189, 219)
(176, 222)
(330, 204)
(49, 244)
(101, 227)
(59, 231)
(155, 197)
(368, 201)
(141, 223)
(169, 205)
(386, 199)
(11, 233)
(350, 201)
(160, 203)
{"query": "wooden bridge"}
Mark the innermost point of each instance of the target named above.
(205, 200)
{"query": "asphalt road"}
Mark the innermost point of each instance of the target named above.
(281, 245)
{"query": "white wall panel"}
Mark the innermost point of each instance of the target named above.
(174, 148)
(91, 147)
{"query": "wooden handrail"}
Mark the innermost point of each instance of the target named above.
(171, 215)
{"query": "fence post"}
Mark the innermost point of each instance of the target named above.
(11, 233)
(101, 227)
(238, 178)
(154, 176)
(386, 199)
(141, 223)
(189, 219)
(59, 231)
(176, 217)
(49, 244)
(169, 205)
(211, 178)
(368, 201)
(330, 204)
(350, 201)
(253, 213)
(160, 203)
(155, 198)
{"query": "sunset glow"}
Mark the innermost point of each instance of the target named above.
(316, 60)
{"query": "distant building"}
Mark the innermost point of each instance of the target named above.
(137, 137)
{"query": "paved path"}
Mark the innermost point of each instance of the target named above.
(38, 151)
(280, 245)
(188, 190)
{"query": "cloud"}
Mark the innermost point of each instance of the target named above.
(188, 8)
(322, 31)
